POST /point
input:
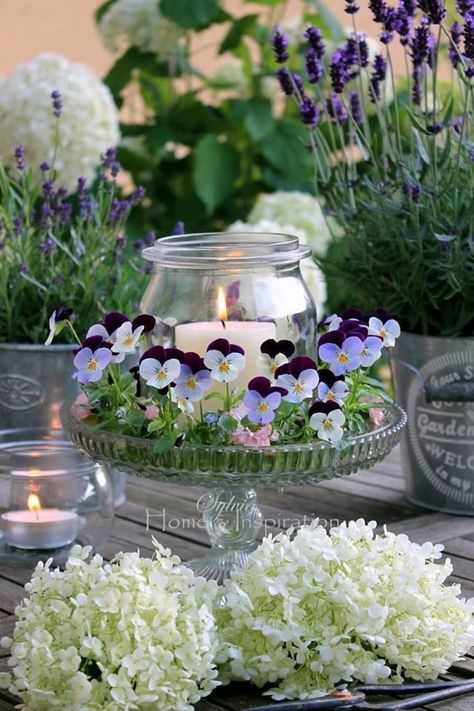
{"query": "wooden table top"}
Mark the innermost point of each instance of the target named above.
(377, 494)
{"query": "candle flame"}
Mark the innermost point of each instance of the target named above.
(221, 305)
(34, 504)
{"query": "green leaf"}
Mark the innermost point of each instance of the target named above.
(284, 148)
(163, 445)
(228, 423)
(417, 124)
(216, 167)
(121, 73)
(259, 118)
(102, 9)
(239, 29)
(190, 14)
(423, 153)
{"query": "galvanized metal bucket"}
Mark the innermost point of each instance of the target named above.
(35, 380)
(434, 383)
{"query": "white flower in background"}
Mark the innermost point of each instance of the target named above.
(312, 274)
(87, 127)
(134, 633)
(230, 73)
(312, 609)
(301, 210)
(139, 23)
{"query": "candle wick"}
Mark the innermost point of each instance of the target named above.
(223, 323)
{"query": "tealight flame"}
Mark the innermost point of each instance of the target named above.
(34, 504)
(221, 305)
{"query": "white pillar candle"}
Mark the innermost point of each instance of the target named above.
(39, 528)
(248, 334)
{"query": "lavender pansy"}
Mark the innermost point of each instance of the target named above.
(262, 399)
(225, 360)
(371, 350)
(327, 419)
(388, 330)
(194, 379)
(342, 354)
(91, 360)
(331, 388)
(299, 377)
(158, 369)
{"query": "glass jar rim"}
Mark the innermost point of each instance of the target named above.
(230, 249)
(35, 457)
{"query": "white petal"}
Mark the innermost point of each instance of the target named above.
(237, 360)
(148, 368)
(213, 359)
(337, 416)
(316, 420)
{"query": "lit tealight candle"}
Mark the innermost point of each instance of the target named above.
(39, 528)
(248, 334)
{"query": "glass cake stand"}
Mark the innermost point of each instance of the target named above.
(231, 513)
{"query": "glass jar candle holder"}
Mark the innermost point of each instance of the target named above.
(244, 287)
(51, 497)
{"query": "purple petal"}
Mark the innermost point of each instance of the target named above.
(234, 348)
(261, 384)
(82, 358)
(220, 344)
(328, 352)
(104, 356)
(336, 337)
(148, 322)
(175, 353)
(194, 361)
(252, 399)
(114, 320)
(282, 370)
(301, 363)
(273, 400)
(156, 352)
(353, 346)
(270, 347)
(286, 347)
(324, 407)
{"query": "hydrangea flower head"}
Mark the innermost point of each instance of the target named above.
(133, 633)
(344, 605)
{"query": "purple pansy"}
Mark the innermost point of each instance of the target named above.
(371, 350)
(194, 378)
(159, 367)
(331, 388)
(273, 354)
(122, 333)
(262, 399)
(340, 352)
(225, 360)
(91, 359)
(299, 377)
(327, 419)
(385, 327)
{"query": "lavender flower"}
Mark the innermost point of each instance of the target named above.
(309, 112)
(138, 245)
(118, 210)
(468, 33)
(47, 247)
(351, 7)
(57, 102)
(109, 157)
(81, 184)
(379, 10)
(150, 238)
(412, 191)
(48, 189)
(409, 6)
(179, 228)
(137, 196)
(456, 37)
(46, 215)
(404, 25)
(23, 269)
(465, 6)
(314, 66)
(20, 156)
(356, 108)
(45, 166)
(434, 9)
(421, 44)
(379, 73)
(314, 36)
(17, 226)
(280, 44)
(337, 72)
(284, 77)
(336, 109)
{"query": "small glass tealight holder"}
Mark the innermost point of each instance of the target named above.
(51, 497)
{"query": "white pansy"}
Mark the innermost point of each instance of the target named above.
(328, 426)
(224, 368)
(159, 375)
(126, 339)
(315, 607)
(87, 127)
(144, 636)
(139, 23)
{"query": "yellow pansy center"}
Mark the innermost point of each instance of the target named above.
(92, 364)
(129, 341)
(263, 407)
(161, 375)
(328, 425)
(342, 358)
(191, 383)
(330, 395)
(224, 367)
(298, 387)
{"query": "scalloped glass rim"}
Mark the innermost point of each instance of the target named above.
(236, 464)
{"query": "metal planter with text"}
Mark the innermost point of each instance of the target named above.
(434, 383)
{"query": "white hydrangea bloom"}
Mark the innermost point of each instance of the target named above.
(134, 633)
(312, 274)
(231, 73)
(139, 23)
(87, 127)
(316, 608)
(301, 210)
